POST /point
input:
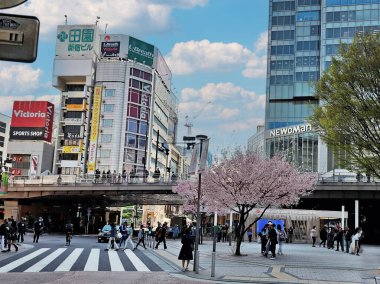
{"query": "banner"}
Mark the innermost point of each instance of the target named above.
(94, 129)
(194, 159)
(4, 183)
(140, 51)
(33, 165)
(110, 49)
(203, 158)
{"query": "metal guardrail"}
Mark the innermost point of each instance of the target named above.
(322, 178)
(73, 180)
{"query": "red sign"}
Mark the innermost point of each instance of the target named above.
(29, 118)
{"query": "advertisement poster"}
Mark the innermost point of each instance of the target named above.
(140, 51)
(33, 165)
(4, 183)
(110, 49)
(194, 159)
(94, 129)
(203, 159)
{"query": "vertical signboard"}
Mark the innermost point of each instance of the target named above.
(94, 129)
(194, 159)
(203, 158)
(140, 51)
(4, 183)
(33, 165)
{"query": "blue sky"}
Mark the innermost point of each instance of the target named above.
(216, 50)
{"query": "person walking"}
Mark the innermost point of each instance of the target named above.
(69, 232)
(11, 236)
(347, 238)
(175, 232)
(356, 240)
(112, 240)
(162, 236)
(186, 252)
(290, 234)
(339, 239)
(330, 238)
(323, 236)
(3, 234)
(313, 235)
(38, 227)
(124, 235)
(263, 238)
(272, 238)
(21, 228)
(141, 237)
(281, 238)
(249, 234)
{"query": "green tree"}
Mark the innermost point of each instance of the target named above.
(348, 117)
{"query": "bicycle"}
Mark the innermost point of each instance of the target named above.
(68, 238)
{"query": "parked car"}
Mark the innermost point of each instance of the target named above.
(104, 234)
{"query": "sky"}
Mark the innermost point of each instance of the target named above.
(216, 50)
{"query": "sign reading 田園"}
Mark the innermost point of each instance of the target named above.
(94, 129)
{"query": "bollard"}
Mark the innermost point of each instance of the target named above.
(213, 255)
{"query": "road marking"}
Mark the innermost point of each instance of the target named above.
(45, 261)
(276, 272)
(115, 261)
(70, 260)
(138, 264)
(18, 262)
(93, 261)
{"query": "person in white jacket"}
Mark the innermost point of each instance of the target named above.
(355, 244)
(313, 234)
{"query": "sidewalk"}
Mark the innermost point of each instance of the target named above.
(301, 263)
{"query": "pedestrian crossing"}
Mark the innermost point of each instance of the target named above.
(77, 259)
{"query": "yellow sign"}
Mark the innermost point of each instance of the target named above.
(94, 129)
(72, 149)
(81, 107)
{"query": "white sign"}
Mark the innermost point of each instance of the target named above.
(291, 130)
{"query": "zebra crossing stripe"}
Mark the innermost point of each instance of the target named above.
(45, 261)
(70, 260)
(18, 262)
(92, 263)
(138, 264)
(115, 261)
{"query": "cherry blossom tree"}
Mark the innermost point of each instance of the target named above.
(242, 181)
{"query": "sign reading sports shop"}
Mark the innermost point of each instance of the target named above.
(140, 51)
(32, 120)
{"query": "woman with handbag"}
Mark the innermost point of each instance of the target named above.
(186, 253)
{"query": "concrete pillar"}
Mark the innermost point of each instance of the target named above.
(356, 213)
(215, 219)
(342, 219)
(11, 209)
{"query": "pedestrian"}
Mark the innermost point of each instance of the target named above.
(290, 234)
(162, 235)
(339, 239)
(355, 245)
(124, 176)
(38, 227)
(249, 234)
(323, 236)
(11, 236)
(112, 240)
(104, 176)
(124, 235)
(272, 239)
(330, 238)
(21, 228)
(109, 176)
(263, 238)
(186, 252)
(175, 232)
(141, 237)
(3, 235)
(313, 235)
(347, 238)
(281, 238)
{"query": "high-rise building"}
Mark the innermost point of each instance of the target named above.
(118, 112)
(304, 35)
(4, 136)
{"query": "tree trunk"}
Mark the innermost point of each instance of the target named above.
(239, 238)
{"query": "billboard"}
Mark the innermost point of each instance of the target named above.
(94, 129)
(110, 49)
(140, 51)
(80, 41)
(32, 120)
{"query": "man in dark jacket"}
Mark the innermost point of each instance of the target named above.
(272, 238)
(323, 236)
(3, 233)
(162, 235)
(38, 228)
(21, 228)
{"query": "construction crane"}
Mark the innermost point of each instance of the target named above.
(189, 121)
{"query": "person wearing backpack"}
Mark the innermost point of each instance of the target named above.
(281, 238)
(141, 237)
(11, 236)
(124, 235)
(69, 232)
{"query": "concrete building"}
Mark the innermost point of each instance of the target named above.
(304, 35)
(4, 136)
(118, 112)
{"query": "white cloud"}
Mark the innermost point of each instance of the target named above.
(120, 15)
(188, 57)
(16, 79)
(242, 125)
(217, 102)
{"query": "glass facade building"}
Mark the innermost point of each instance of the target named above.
(304, 35)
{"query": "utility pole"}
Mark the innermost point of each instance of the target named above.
(155, 162)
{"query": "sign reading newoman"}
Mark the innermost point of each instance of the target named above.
(291, 130)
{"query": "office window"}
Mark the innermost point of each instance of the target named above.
(109, 92)
(2, 127)
(107, 123)
(104, 153)
(106, 138)
(1, 141)
(132, 125)
(130, 140)
(108, 108)
(308, 16)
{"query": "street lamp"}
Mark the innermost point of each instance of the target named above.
(201, 138)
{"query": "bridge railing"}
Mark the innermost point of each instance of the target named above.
(86, 180)
(323, 178)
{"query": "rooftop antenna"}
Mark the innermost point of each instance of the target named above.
(97, 20)
(105, 30)
(65, 19)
